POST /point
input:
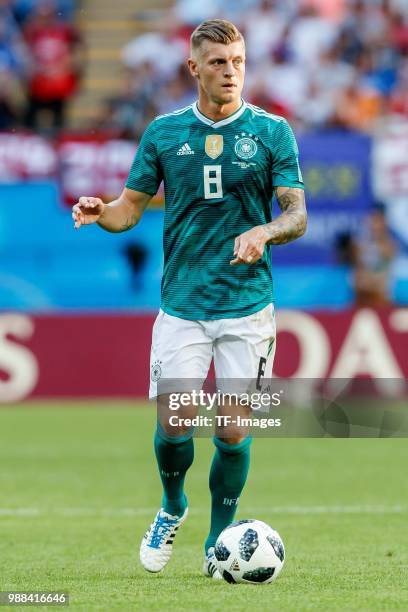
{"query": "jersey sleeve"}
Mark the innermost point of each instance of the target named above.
(145, 173)
(285, 158)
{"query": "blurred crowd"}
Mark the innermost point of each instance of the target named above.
(320, 63)
(40, 62)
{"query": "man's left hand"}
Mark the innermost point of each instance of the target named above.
(249, 246)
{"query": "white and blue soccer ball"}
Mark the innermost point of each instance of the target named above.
(249, 552)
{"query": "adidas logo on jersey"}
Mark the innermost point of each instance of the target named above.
(185, 150)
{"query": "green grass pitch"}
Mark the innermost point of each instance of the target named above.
(78, 488)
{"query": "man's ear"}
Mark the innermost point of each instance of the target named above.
(192, 66)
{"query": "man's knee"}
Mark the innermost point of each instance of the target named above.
(175, 423)
(232, 446)
(237, 439)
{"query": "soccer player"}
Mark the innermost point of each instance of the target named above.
(221, 160)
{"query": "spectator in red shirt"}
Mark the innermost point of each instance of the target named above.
(55, 49)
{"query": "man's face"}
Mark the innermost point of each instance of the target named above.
(220, 70)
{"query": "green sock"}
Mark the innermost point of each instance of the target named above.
(174, 457)
(228, 474)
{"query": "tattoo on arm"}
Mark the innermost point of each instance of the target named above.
(130, 222)
(291, 224)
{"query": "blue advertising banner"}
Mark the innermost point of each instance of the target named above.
(336, 171)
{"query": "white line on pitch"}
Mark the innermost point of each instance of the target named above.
(248, 510)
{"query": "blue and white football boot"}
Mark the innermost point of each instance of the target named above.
(210, 565)
(157, 544)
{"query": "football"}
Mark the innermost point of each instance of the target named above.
(250, 552)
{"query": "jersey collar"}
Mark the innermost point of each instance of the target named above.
(217, 124)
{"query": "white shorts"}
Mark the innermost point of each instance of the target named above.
(182, 350)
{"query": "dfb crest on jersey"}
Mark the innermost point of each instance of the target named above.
(246, 147)
(156, 371)
(214, 145)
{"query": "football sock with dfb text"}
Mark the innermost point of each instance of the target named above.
(228, 474)
(174, 457)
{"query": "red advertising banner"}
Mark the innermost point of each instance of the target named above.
(94, 163)
(96, 355)
(26, 156)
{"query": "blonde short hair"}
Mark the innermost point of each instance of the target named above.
(215, 30)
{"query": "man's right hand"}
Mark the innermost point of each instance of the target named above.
(87, 211)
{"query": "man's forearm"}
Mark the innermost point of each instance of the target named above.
(119, 216)
(291, 224)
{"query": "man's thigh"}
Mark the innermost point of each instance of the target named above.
(245, 349)
(180, 356)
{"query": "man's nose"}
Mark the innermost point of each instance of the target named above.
(229, 69)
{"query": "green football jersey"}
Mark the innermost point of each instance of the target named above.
(219, 178)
